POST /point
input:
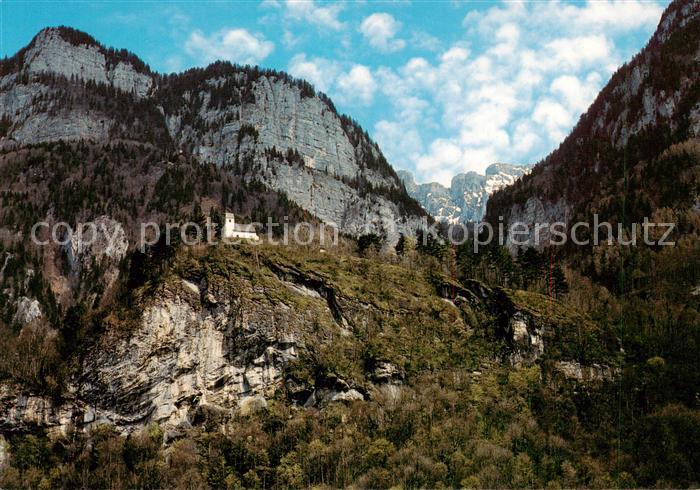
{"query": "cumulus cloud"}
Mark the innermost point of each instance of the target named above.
(423, 41)
(321, 72)
(325, 17)
(353, 85)
(572, 53)
(235, 45)
(394, 138)
(538, 66)
(618, 15)
(357, 84)
(553, 116)
(593, 16)
(575, 92)
(380, 31)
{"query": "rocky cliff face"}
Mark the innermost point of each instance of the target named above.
(261, 124)
(230, 329)
(78, 57)
(650, 104)
(466, 198)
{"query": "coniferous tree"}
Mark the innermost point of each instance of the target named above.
(369, 241)
(561, 286)
(429, 244)
(217, 221)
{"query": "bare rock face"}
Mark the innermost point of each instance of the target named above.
(330, 153)
(51, 52)
(524, 220)
(21, 411)
(75, 58)
(28, 310)
(465, 200)
(199, 348)
(285, 119)
(182, 357)
(220, 345)
(31, 125)
(103, 239)
(596, 373)
(338, 204)
(102, 244)
(527, 338)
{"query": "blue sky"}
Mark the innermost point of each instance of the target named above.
(443, 86)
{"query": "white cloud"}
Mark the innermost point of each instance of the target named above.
(525, 137)
(357, 84)
(424, 41)
(325, 17)
(594, 16)
(380, 31)
(352, 85)
(321, 72)
(441, 162)
(507, 37)
(510, 90)
(289, 40)
(577, 94)
(574, 53)
(236, 45)
(554, 117)
(394, 138)
(619, 15)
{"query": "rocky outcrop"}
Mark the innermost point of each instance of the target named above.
(527, 338)
(586, 375)
(523, 230)
(230, 329)
(28, 310)
(183, 356)
(337, 203)
(21, 411)
(531, 328)
(213, 345)
(61, 52)
(94, 253)
(99, 242)
(465, 200)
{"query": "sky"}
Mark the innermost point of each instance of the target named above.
(443, 86)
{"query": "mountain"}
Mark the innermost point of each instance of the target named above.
(638, 140)
(465, 199)
(269, 365)
(260, 125)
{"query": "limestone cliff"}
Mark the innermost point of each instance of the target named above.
(465, 200)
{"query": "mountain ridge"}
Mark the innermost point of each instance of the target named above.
(261, 124)
(465, 200)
